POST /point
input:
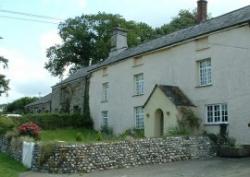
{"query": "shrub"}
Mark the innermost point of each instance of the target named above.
(189, 119)
(178, 131)
(29, 129)
(53, 121)
(6, 124)
(135, 133)
(79, 137)
(46, 150)
(107, 130)
(99, 136)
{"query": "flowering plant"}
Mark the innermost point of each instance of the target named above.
(30, 129)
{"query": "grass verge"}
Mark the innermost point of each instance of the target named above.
(10, 167)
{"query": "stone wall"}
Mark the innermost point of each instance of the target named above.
(123, 154)
(12, 147)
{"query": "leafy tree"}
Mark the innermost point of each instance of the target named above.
(3, 81)
(88, 36)
(18, 106)
(183, 20)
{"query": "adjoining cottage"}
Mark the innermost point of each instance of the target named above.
(43, 105)
(68, 95)
(208, 62)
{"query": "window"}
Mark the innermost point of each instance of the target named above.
(139, 84)
(217, 113)
(205, 72)
(105, 118)
(105, 92)
(139, 117)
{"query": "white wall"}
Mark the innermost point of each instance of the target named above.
(230, 57)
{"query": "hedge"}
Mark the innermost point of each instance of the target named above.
(54, 121)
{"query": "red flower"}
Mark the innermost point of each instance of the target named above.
(30, 129)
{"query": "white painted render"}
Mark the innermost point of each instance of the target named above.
(177, 65)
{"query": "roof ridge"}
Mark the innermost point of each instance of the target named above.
(226, 13)
(190, 27)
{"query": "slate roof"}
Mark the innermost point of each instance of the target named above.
(233, 18)
(78, 74)
(42, 100)
(174, 94)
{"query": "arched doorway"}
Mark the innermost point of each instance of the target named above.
(159, 123)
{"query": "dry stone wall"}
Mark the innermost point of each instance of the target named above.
(11, 147)
(123, 154)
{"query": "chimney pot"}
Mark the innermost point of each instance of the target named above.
(201, 11)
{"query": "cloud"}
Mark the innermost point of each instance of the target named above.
(82, 3)
(77, 3)
(49, 39)
(27, 76)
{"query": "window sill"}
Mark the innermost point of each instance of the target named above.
(216, 124)
(137, 65)
(105, 101)
(201, 86)
(138, 95)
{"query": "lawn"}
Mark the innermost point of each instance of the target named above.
(69, 135)
(10, 167)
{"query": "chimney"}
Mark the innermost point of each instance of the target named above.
(201, 11)
(118, 41)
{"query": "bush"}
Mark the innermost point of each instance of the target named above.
(53, 121)
(46, 150)
(79, 137)
(178, 131)
(6, 124)
(99, 136)
(107, 130)
(189, 120)
(29, 129)
(135, 133)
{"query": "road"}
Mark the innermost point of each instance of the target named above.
(217, 167)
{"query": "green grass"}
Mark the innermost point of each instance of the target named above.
(10, 167)
(68, 135)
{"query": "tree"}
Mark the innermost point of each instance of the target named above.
(3, 81)
(18, 106)
(88, 36)
(183, 20)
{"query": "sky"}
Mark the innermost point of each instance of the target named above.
(24, 43)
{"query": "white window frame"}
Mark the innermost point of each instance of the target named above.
(105, 87)
(105, 119)
(139, 84)
(205, 72)
(218, 113)
(139, 117)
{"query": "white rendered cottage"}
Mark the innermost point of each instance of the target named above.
(209, 63)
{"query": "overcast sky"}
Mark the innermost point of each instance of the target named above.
(25, 43)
